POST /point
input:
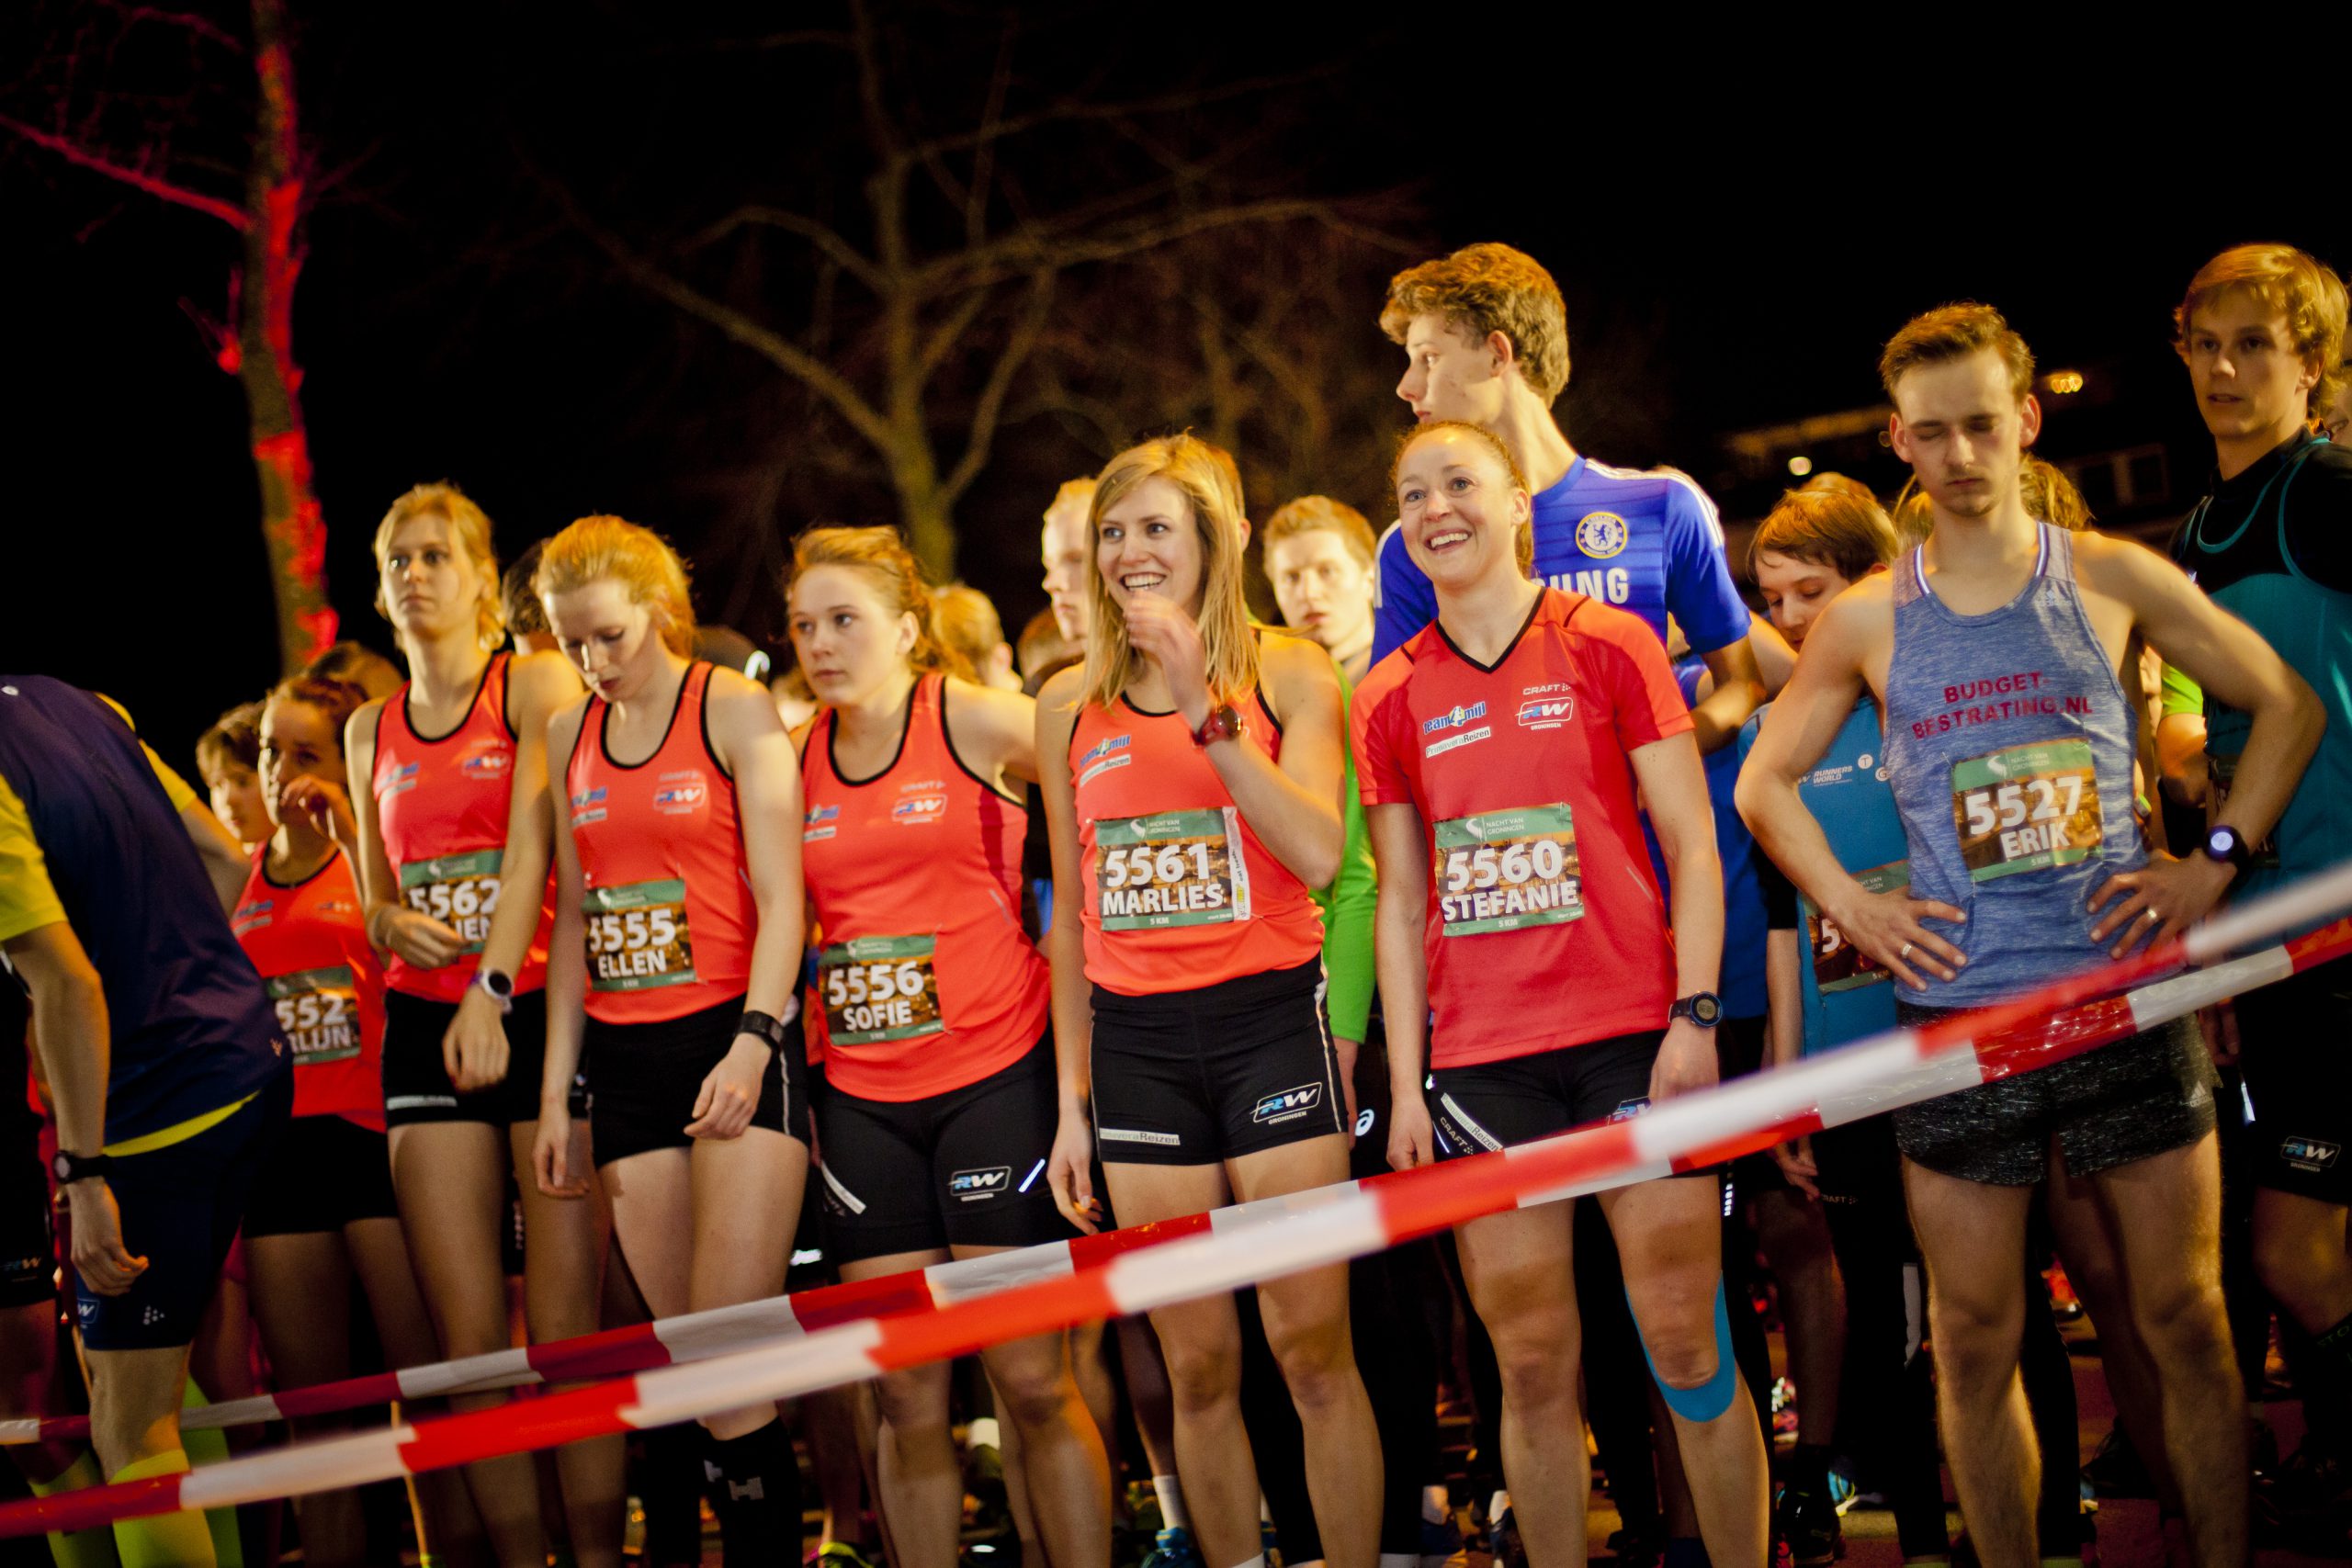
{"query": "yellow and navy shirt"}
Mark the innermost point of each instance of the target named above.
(90, 835)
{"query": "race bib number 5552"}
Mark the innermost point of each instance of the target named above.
(1499, 871)
(1180, 868)
(319, 1010)
(2026, 809)
(636, 936)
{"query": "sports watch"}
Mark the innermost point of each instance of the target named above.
(72, 1168)
(1222, 724)
(1703, 1008)
(499, 987)
(2227, 845)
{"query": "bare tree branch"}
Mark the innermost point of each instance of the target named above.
(987, 411)
(826, 238)
(138, 179)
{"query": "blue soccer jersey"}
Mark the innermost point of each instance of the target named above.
(1741, 986)
(1647, 541)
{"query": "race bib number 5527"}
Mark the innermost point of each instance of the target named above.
(636, 936)
(1180, 868)
(2026, 808)
(1499, 871)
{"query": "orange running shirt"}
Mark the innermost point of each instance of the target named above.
(668, 914)
(1179, 894)
(441, 805)
(1544, 927)
(309, 942)
(925, 981)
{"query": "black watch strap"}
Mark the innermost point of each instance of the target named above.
(1702, 1008)
(767, 1025)
(72, 1168)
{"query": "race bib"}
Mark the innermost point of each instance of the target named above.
(1838, 964)
(1502, 870)
(319, 1010)
(636, 936)
(1180, 868)
(461, 891)
(2026, 809)
(2221, 772)
(879, 987)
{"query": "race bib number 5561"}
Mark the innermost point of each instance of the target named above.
(1499, 871)
(636, 936)
(1180, 868)
(2026, 809)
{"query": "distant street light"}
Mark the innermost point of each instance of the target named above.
(1800, 465)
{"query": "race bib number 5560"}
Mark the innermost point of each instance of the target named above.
(1180, 868)
(1502, 870)
(636, 936)
(2026, 809)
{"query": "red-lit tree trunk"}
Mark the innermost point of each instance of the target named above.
(291, 520)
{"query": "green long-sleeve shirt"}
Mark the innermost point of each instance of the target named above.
(1347, 906)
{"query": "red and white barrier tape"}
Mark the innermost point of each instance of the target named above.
(1325, 1226)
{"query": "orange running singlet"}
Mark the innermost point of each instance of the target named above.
(668, 915)
(441, 805)
(925, 980)
(1179, 894)
(309, 942)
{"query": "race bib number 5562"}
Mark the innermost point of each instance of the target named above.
(2026, 809)
(1499, 871)
(461, 891)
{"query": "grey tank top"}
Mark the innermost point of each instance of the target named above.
(2009, 744)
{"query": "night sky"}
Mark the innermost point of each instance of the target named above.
(1737, 223)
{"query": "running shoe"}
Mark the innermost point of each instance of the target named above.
(1809, 1525)
(1634, 1549)
(2117, 1469)
(836, 1555)
(1174, 1548)
(1441, 1541)
(1503, 1542)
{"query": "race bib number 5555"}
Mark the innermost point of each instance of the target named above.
(1180, 868)
(1499, 871)
(2026, 809)
(636, 936)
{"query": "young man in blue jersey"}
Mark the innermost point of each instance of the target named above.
(1486, 335)
(1995, 652)
(163, 1054)
(1812, 547)
(2271, 541)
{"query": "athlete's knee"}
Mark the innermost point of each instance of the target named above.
(912, 1401)
(1036, 1392)
(1318, 1364)
(1976, 1336)
(1201, 1375)
(2181, 1319)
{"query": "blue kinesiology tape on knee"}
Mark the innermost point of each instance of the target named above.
(1711, 1398)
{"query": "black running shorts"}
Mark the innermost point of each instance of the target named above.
(1493, 1105)
(963, 1169)
(181, 1206)
(325, 1173)
(1195, 1078)
(643, 1079)
(2292, 1038)
(416, 1085)
(2135, 1099)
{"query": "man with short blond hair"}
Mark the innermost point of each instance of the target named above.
(1485, 332)
(1319, 554)
(1993, 651)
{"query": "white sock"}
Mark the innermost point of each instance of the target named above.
(1436, 1504)
(1171, 1503)
(983, 1434)
(1400, 1559)
(1257, 1562)
(1498, 1506)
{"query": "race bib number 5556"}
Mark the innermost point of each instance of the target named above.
(2026, 809)
(879, 987)
(1180, 868)
(636, 936)
(1499, 871)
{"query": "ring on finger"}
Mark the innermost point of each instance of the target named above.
(1903, 953)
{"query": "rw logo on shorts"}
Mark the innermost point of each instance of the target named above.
(2310, 1154)
(971, 1185)
(1288, 1103)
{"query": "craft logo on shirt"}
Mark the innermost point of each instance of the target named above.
(489, 765)
(1458, 717)
(1601, 534)
(681, 794)
(1099, 759)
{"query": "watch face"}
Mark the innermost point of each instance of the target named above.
(1706, 1010)
(2222, 840)
(63, 1167)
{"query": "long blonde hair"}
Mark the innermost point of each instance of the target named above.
(596, 549)
(881, 555)
(470, 531)
(1212, 485)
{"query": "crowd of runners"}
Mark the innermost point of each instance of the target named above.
(507, 959)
